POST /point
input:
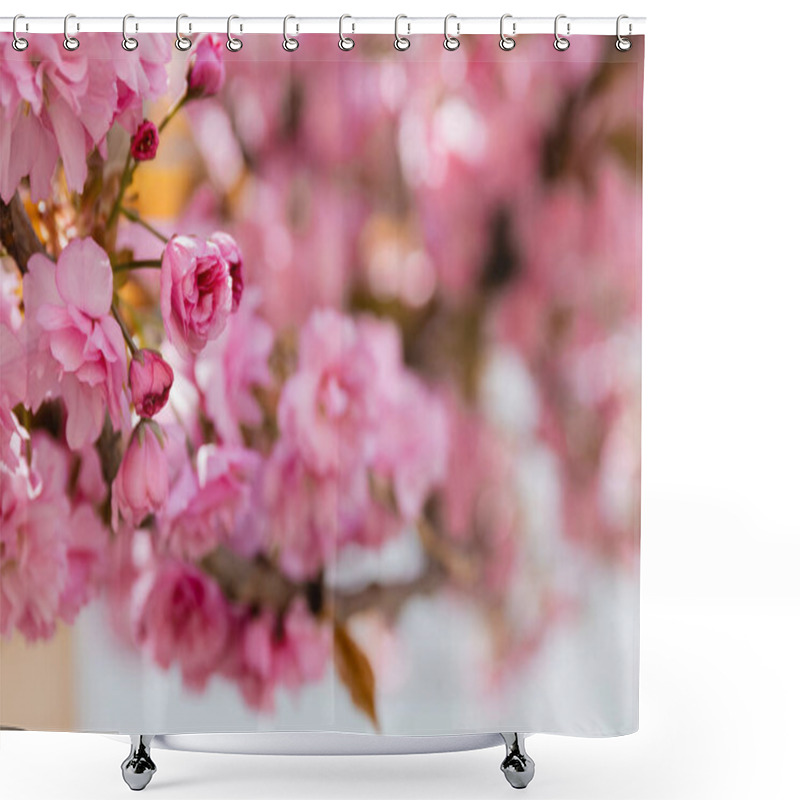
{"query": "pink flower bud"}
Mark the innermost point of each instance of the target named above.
(233, 255)
(144, 143)
(207, 70)
(141, 485)
(150, 379)
(196, 295)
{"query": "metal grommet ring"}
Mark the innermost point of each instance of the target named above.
(560, 42)
(70, 42)
(451, 42)
(182, 43)
(18, 43)
(401, 42)
(233, 44)
(290, 44)
(623, 44)
(345, 42)
(506, 42)
(128, 42)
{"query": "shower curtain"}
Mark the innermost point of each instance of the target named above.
(320, 383)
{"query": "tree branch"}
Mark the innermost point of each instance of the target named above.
(17, 234)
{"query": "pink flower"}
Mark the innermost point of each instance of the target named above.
(58, 105)
(327, 408)
(230, 367)
(33, 554)
(181, 616)
(292, 651)
(144, 143)
(411, 445)
(233, 255)
(141, 485)
(207, 70)
(78, 348)
(13, 387)
(196, 293)
(150, 379)
(205, 506)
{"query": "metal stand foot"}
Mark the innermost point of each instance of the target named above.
(517, 766)
(138, 768)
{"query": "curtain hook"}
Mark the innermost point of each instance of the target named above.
(506, 42)
(128, 42)
(451, 42)
(560, 42)
(401, 42)
(183, 43)
(234, 44)
(18, 43)
(70, 42)
(345, 42)
(290, 44)
(622, 43)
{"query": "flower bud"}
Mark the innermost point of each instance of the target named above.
(144, 143)
(150, 379)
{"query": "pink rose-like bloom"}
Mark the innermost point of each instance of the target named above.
(144, 143)
(33, 554)
(77, 347)
(206, 505)
(181, 616)
(150, 379)
(233, 255)
(196, 292)
(327, 408)
(141, 485)
(58, 105)
(207, 70)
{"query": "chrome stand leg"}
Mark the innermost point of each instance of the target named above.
(517, 766)
(138, 768)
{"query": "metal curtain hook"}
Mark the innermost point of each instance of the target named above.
(290, 44)
(622, 43)
(506, 42)
(345, 42)
(70, 42)
(560, 42)
(401, 42)
(183, 43)
(451, 42)
(128, 42)
(234, 44)
(18, 43)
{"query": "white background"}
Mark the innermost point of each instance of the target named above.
(720, 703)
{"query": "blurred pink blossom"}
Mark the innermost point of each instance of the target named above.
(150, 379)
(327, 408)
(58, 105)
(207, 69)
(77, 348)
(181, 616)
(230, 367)
(140, 486)
(207, 502)
(196, 292)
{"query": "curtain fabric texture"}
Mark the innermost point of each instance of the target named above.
(320, 377)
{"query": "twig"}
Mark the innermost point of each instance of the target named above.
(134, 217)
(150, 263)
(17, 234)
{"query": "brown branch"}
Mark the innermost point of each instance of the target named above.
(261, 583)
(17, 234)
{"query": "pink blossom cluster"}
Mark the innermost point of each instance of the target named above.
(59, 106)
